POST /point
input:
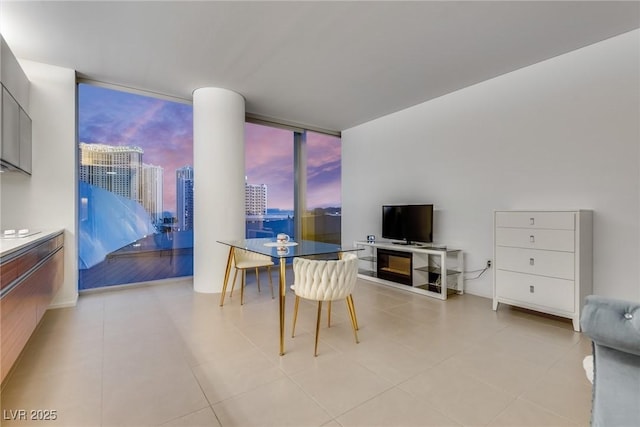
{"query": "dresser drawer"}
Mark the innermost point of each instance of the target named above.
(551, 220)
(537, 291)
(535, 261)
(556, 240)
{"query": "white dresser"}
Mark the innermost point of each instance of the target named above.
(543, 261)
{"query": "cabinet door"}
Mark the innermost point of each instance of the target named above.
(1, 138)
(10, 129)
(17, 323)
(25, 141)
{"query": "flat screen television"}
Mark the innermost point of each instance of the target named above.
(408, 223)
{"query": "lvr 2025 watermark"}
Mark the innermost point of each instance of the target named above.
(29, 414)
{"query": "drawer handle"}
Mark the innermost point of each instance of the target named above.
(532, 239)
(532, 289)
(532, 221)
(531, 261)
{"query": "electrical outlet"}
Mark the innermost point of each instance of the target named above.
(488, 263)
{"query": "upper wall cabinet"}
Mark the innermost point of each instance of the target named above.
(10, 130)
(15, 137)
(15, 123)
(25, 141)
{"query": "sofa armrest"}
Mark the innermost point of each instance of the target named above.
(612, 323)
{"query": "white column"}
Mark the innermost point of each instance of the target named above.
(218, 163)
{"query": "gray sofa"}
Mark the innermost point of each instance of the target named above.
(614, 327)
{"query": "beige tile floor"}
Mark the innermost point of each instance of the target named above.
(164, 355)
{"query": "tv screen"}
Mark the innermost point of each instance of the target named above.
(409, 223)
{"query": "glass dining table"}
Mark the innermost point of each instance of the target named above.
(281, 251)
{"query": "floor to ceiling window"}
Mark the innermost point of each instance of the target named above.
(135, 208)
(268, 181)
(292, 183)
(321, 219)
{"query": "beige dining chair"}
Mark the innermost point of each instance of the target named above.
(244, 260)
(320, 281)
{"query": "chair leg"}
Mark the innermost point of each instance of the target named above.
(352, 314)
(315, 353)
(258, 278)
(244, 278)
(295, 315)
(270, 282)
(233, 285)
(329, 315)
(353, 308)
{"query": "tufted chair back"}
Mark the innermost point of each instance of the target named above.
(325, 280)
(243, 258)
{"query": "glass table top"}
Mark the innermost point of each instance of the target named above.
(295, 248)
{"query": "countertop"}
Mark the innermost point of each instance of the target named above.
(10, 247)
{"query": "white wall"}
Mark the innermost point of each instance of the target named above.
(561, 134)
(47, 199)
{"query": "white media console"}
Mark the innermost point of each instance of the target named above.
(425, 269)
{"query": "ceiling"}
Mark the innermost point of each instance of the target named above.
(324, 64)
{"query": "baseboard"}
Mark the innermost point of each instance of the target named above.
(65, 304)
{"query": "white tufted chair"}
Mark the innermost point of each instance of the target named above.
(244, 260)
(325, 281)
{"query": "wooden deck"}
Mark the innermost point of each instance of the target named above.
(135, 267)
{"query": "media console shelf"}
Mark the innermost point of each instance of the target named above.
(429, 270)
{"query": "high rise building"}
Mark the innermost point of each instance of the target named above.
(255, 198)
(114, 168)
(152, 187)
(184, 197)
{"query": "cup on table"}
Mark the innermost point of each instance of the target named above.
(282, 238)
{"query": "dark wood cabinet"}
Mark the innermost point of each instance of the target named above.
(28, 283)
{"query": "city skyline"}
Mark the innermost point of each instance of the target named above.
(164, 131)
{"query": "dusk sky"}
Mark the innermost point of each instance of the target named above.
(164, 130)
(269, 160)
